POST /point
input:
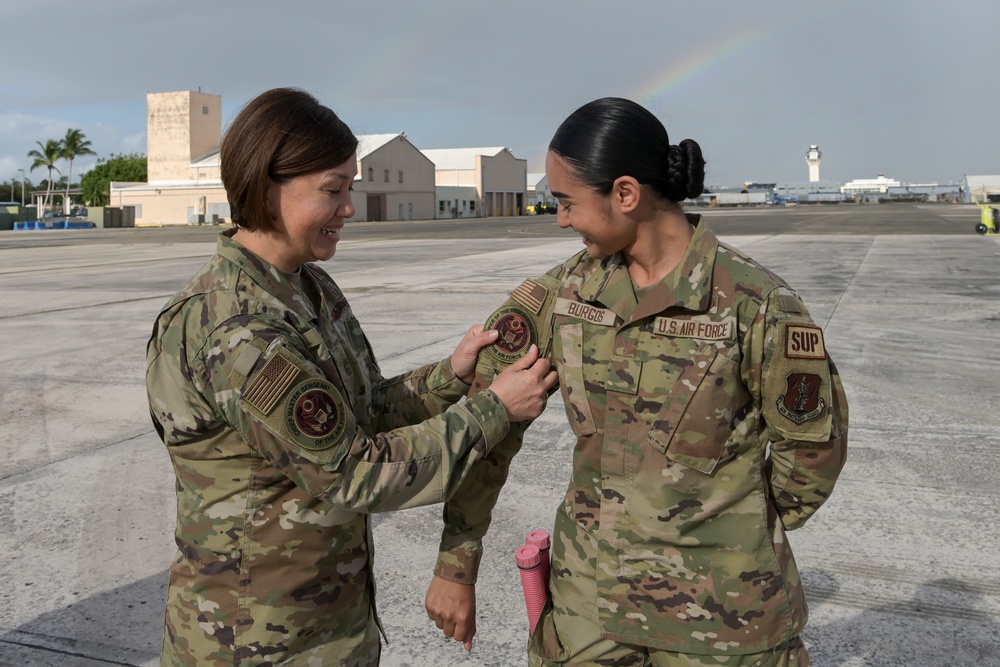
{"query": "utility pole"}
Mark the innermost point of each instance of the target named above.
(22, 187)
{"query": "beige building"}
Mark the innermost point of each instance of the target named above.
(457, 201)
(395, 180)
(500, 179)
(184, 132)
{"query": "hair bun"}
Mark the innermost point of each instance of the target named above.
(685, 177)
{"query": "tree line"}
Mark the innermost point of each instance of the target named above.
(95, 184)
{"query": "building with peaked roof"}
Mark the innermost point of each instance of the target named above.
(395, 180)
(499, 179)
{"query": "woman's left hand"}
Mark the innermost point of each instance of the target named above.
(463, 359)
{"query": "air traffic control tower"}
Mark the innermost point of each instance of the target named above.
(813, 158)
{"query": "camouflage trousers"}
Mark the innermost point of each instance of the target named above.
(568, 632)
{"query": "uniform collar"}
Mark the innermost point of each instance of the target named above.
(267, 276)
(687, 286)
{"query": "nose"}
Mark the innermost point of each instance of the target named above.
(347, 209)
(561, 218)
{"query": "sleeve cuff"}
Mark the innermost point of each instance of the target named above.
(458, 564)
(490, 414)
(444, 383)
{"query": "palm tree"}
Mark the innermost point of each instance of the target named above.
(51, 151)
(73, 146)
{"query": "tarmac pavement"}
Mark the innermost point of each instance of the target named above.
(901, 566)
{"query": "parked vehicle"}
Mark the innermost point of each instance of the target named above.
(56, 220)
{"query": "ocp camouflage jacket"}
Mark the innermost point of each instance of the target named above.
(709, 420)
(283, 435)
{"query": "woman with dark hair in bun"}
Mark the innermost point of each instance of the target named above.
(709, 420)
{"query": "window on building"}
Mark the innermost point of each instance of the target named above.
(472, 205)
(386, 175)
(441, 206)
(400, 175)
(371, 174)
(204, 111)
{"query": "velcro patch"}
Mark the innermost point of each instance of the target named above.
(315, 414)
(801, 400)
(268, 385)
(516, 329)
(803, 341)
(531, 295)
(700, 328)
(586, 312)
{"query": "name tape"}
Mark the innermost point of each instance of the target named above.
(583, 311)
(702, 329)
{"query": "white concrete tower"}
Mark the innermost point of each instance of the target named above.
(813, 159)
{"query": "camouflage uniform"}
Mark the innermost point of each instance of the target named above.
(709, 420)
(283, 436)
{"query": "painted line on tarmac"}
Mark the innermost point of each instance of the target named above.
(161, 297)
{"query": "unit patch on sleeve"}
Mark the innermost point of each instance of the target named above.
(803, 341)
(516, 331)
(801, 400)
(315, 414)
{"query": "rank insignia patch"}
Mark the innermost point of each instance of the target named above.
(314, 414)
(516, 332)
(801, 400)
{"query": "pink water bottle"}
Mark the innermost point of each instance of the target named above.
(540, 539)
(536, 592)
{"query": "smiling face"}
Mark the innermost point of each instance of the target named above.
(308, 212)
(587, 212)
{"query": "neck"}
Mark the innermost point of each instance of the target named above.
(267, 247)
(659, 246)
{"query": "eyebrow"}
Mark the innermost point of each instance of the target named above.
(338, 177)
(560, 195)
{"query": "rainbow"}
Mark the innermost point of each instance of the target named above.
(702, 64)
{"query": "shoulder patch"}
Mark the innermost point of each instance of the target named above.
(531, 295)
(315, 414)
(268, 385)
(516, 330)
(801, 401)
(804, 341)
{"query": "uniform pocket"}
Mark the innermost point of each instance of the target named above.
(544, 647)
(697, 416)
(569, 356)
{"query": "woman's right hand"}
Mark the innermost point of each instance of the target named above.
(523, 387)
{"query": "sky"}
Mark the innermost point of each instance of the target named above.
(904, 88)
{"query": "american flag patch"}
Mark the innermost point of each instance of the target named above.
(270, 383)
(531, 295)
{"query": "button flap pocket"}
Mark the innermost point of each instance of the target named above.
(678, 432)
